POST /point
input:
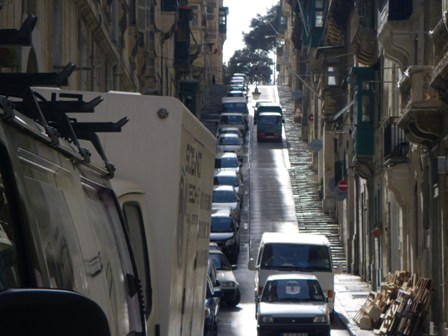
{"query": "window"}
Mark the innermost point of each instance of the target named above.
(136, 231)
(9, 264)
(332, 76)
(319, 15)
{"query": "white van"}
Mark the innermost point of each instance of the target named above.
(294, 252)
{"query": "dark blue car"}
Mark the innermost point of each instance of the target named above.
(212, 301)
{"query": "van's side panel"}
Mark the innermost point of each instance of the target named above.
(167, 151)
(63, 218)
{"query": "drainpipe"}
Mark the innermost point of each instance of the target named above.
(115, 23)
(435, 248)
(371, 225)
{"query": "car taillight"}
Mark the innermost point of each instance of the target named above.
(330, 293)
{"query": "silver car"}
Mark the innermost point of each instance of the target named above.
(227, 196)
(226, 277)
(230, 143)
(292, 304)
(229, 177)
(233, 120)
(227, 161)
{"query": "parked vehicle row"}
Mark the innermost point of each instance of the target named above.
(294, 274)
(225, 218)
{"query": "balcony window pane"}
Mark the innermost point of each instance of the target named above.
(319, 19)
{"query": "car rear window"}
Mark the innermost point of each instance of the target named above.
(221, 224)
(226, 163)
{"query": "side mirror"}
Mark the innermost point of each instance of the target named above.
(49, 312)
(234, 267)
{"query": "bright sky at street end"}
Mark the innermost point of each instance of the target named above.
(241, 12)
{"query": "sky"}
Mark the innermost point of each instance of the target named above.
(241, 12)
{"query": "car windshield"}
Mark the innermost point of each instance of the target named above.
(226, 180)
(226, 162)
(222, 224)
(296, 256)
(220, 261)
(269, 108)
(224, 196)
(270, 120)
(292, 290)
(234, 107)
(230, 131)
(232, 119)
(229, 141)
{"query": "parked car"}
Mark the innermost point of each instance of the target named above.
(227, 280)
(211, 306)
(229, 177)
(237, 87)
(227, 196)
(233, 119)
(231, 130)
(292, 304)
(234, 105)
(225, 232)
(230, 143)
(236, 93)
(228, 161)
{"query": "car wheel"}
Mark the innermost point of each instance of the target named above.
(236, 299)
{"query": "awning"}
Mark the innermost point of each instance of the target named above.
(342, 110)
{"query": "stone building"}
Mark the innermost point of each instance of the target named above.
(372, 80)
(167, 47)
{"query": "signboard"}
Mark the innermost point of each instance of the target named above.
(316, 145)
(343, 185)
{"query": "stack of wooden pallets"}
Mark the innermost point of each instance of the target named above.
(399, 308)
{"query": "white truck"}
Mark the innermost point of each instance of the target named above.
(66, 263)
(164, 159)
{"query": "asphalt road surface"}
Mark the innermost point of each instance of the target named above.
(268, 205)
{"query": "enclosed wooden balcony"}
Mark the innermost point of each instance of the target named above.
(421, 107)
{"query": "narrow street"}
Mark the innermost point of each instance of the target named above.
(280, 194)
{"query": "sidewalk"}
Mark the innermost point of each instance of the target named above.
(351, 294)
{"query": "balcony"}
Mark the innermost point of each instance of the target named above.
(396, 146)
(391, 11)
(182, 59)
(395, 29)
(421, 106)
(439, 37)
(334, 98)
(364, 39)
(363, 120)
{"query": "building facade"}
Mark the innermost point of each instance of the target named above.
(371, 77)
(168, 47)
